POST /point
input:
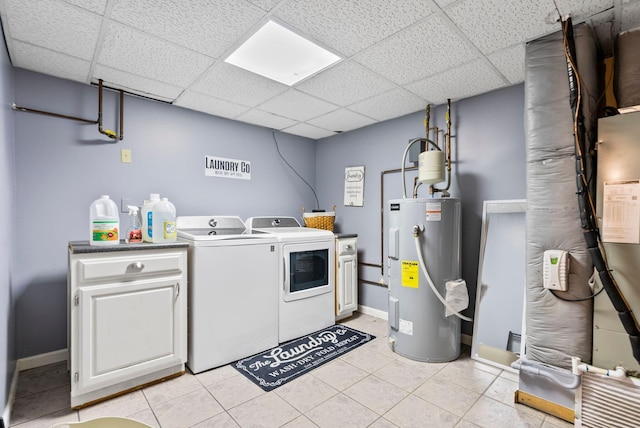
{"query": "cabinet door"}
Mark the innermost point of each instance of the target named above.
(128, 330)
(347, 284)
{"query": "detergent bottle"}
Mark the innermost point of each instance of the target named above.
(104, 227)
(164, 222)
(147, 217)
(135, 230)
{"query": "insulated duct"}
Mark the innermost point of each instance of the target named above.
(557, 329)
(627, 75)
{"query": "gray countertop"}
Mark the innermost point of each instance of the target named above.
(80, 247)
(346, 235)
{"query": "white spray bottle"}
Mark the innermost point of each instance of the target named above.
(135, 231)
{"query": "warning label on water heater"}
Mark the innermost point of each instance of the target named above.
(433, 211)
(410, 274)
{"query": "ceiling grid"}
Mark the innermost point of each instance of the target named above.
(396, 56)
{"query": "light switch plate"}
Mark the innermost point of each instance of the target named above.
(125, 155)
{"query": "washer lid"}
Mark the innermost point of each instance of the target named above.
(210, 222)
(268, 222)
(219, 234)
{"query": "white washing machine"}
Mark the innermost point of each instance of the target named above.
(233, 290)
(306, 268)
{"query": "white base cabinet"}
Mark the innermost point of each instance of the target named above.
(127, 318)
(346, 276)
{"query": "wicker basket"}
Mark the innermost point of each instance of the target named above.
(319, 220)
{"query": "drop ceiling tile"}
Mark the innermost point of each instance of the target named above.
(268, 120)
(197, 24)
(234, 84)
(444, 3)
(579, 10)
(206, 104)
(136, 84)
(493, 25)
(297, 106)
(350, 26)
(309, 131)
(467, 80)
(54, 25)
(630, 16)
(129, 50)
(341, 120)
(35, 58)
(345, 83)
(510, 62)
(265, 5)
(95, 6)
(496, 24)
(423, 50)
(395, 103)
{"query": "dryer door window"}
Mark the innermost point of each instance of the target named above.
(308, 270)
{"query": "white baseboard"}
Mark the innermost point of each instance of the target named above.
(42, 360)
(373, 312)
(465, 339)
(6, 414)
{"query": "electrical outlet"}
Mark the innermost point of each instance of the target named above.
(125, 155)
(124, 203)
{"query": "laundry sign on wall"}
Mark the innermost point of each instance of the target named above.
(227, 168)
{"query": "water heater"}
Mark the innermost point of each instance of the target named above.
(418, 327)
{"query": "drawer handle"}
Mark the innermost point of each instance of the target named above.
(136, 266)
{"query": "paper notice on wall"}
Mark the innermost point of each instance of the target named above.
(354, 186)
(621, 212)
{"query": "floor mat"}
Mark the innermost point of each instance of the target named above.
(279, 365)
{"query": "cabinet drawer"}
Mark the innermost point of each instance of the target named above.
(108, 267)
(347, 247)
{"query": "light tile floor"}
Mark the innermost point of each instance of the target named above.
(368, 387)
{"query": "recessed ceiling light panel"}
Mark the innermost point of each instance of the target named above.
(282, 55)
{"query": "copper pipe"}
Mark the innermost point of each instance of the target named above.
(373, 282)
(447, 144)
(109, 133)
(121, 115)
(427, 118)
(98, 121)
(382, 174)
(47, 113)
(369, 264)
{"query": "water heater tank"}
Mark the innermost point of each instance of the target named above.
(418, 327)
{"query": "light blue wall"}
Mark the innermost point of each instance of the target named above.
(488, 163)
(62, 166)
(8, 235)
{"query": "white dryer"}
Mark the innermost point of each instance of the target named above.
(233, 290)
(306, 268)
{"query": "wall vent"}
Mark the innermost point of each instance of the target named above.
(604, 402)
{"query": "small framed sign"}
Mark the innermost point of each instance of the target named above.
(354, 186)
